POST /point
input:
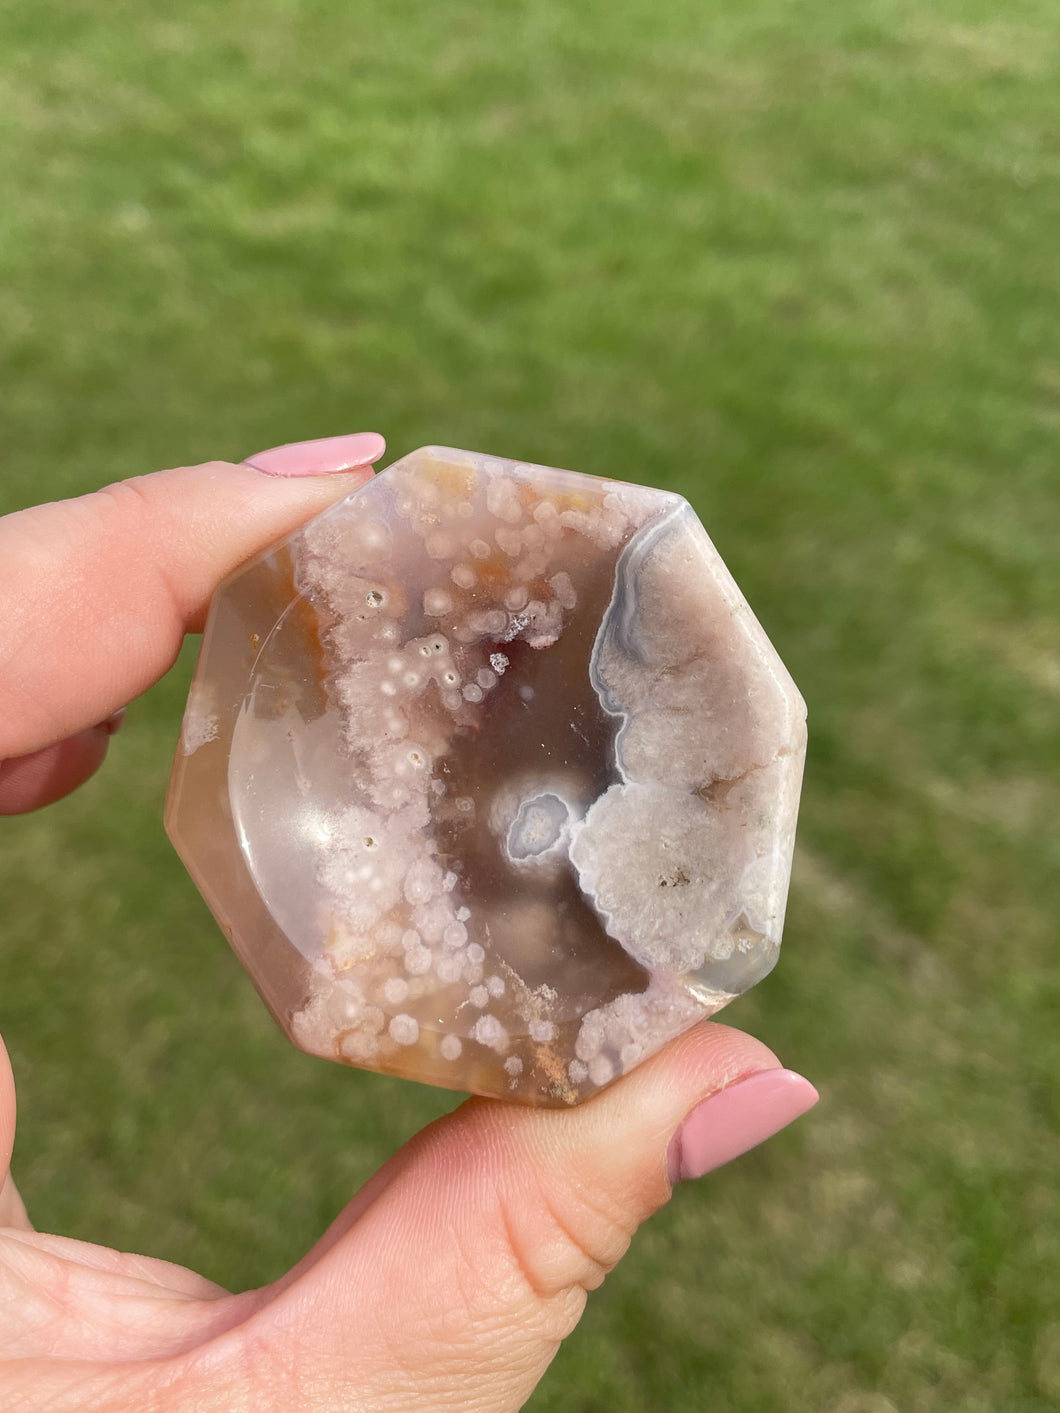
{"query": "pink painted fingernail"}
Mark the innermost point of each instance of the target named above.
(323, 457)
(737, 1119)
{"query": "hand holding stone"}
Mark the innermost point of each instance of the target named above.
(450, 1279)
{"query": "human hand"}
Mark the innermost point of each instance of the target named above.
(451, 1278)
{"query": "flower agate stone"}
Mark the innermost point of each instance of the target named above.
(490, 776)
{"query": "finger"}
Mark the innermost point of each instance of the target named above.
(12, 1209)
(7, 1111)
(12, 1212)
(99, 591)
(44, 776)
(470, 1264)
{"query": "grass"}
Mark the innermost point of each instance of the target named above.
(793, 259)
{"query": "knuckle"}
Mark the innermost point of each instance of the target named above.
(126, 499)
(564, 1238)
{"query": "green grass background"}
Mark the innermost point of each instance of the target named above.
(796, 259)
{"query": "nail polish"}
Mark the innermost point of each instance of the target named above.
(736, 1119)
(325, 456)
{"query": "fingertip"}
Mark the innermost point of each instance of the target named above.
(32, 781)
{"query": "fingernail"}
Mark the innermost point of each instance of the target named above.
(737, 1119)
(114, 722)
(323, 457)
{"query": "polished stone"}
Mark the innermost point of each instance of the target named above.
(491, 776)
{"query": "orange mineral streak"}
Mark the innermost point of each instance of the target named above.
(493, 574)
(454, 480)
(305, 621)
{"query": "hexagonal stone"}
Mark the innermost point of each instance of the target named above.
(490, 776)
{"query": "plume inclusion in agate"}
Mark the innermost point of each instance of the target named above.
(490, 776)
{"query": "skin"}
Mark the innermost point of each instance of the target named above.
(451, 1278)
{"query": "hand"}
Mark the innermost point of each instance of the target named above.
(452, 1276)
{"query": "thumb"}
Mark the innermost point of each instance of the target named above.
(456, 1274)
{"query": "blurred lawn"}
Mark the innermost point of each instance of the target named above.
(798, 260)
